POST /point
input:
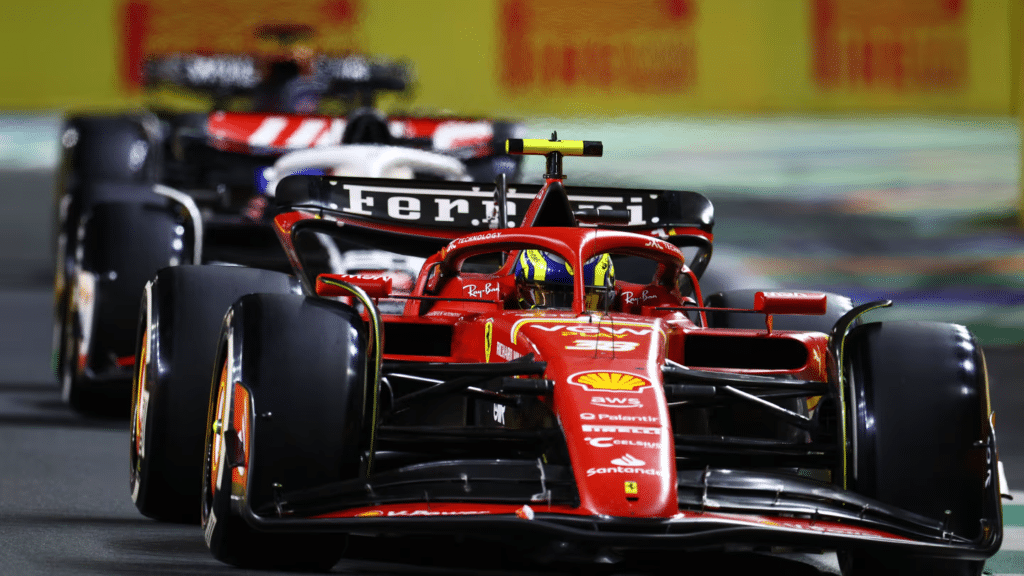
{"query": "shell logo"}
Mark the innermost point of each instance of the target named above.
(609, 381)
(369, 513)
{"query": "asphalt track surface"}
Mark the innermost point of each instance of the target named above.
(64, 501)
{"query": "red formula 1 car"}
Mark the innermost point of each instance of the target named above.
(560, 384)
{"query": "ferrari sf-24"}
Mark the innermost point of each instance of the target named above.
(554, 380)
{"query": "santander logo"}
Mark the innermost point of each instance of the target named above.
(626, 464)
(628, 460)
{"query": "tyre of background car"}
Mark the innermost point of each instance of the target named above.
(95, 150)
(120, 245)
(178, 325)
(302, 362)
(923, 437)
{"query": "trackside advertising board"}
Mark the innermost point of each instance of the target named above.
(573, 57)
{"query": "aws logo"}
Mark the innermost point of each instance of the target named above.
(612, 381)
(615, 402)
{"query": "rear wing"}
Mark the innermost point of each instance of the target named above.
(419, 217)
(241, 73)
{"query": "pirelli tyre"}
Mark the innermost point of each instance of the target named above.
(923, 439)
(119, 246)
(286, 413)
(837, 306)
(180, 319)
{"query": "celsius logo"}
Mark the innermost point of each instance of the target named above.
(628, 460)
(608, 442)
(612, 402)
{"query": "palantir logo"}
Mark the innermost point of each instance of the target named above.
(628, 460)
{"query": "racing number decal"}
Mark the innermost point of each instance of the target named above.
(603, 345)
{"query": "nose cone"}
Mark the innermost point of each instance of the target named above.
(620, 441)
(610, 402)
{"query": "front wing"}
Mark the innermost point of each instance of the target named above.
(719, 510)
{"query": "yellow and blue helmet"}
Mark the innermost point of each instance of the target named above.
(545, 280)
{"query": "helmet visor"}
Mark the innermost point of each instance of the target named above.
(542, 295)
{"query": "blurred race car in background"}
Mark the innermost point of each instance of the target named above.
(140, 191)
(530, 393)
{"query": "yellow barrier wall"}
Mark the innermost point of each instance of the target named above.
(575, 57)
(1018, 41)
(59, 54)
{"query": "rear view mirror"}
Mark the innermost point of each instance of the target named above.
(811, 304)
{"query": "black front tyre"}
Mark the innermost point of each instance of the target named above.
(923, 440)
(286, 413)
(178, 327)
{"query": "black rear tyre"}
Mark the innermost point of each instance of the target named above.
(302, 364)
(182, 311)
(922, 439)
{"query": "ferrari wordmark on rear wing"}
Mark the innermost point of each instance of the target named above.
(470, 206)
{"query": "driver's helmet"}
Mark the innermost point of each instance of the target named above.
(545, 280)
